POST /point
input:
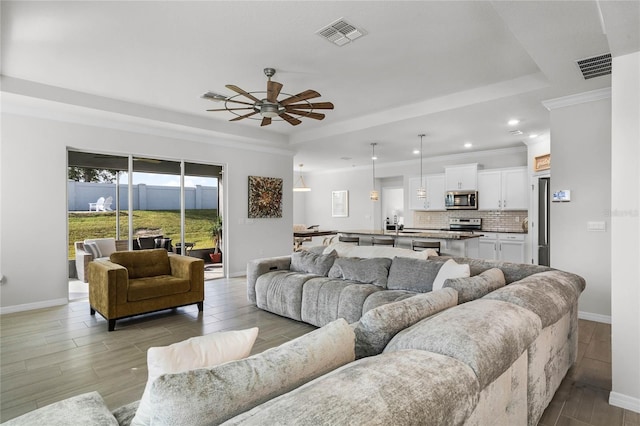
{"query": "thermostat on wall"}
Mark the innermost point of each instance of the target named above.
(563, 195)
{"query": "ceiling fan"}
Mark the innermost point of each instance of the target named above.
(270, 107)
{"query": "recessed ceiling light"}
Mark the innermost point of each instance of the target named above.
(416, 151)
(515, 132)
(513, 122)
(374, 158)
(468, 144)
(533, 135)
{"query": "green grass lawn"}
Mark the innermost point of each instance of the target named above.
(145, 222)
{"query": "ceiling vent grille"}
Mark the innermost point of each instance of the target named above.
(340, 32)
(595, 66)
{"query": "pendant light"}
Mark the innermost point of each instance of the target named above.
(422, 192)
(300, 186)
(373, 195)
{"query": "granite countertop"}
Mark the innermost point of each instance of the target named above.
(414, 233)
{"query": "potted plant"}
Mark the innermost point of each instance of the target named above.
(216, 236)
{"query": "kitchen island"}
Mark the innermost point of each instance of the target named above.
(452, 243)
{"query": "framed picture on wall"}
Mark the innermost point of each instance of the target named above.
(340, 203)
(265, 197)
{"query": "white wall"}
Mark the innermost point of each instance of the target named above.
(581, 162)
(34, 214)
(625, 230)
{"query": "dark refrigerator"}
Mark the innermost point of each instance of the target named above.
(544, 203)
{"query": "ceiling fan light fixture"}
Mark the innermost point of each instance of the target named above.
(269, 110)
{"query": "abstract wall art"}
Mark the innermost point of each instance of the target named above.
(265, 197)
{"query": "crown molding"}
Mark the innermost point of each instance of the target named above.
(25, 98)
(578, 98)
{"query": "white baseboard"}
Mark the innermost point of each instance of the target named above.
(32, 306)
(237, 274)
(594, 317)
(624, 401)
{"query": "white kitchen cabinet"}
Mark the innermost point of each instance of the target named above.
(461, 177)
(434, 185)
(504, 189)
(502, 246)
(435, 192)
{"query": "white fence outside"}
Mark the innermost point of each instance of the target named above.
(145, 197)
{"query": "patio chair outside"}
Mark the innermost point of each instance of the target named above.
(107, 204)
(98, 205)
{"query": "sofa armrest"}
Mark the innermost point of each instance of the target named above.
(190, 268)
(108, 284)
(258, 267)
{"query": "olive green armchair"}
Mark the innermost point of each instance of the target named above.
(142, 281)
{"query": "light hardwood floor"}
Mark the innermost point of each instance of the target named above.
(51, 354)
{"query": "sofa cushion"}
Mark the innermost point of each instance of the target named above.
(377, 326)
(143, 263)
(312, 263)
(106, 245)
(472, 288)
(550, 295)
(196, 352)
(512, 271)
(367, 271)
(380, 298)
(154, 287)
(352, 250)
(93, 249)
(86, 409)
(450, 269)
(327, 299)
(487, 335)
(403, 388)
(212, 395)
(280, 292)
(412, 274)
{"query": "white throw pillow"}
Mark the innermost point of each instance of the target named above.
(197, 352)
(450, 269)
(93, 249)
(106, 245)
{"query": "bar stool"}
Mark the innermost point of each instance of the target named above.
(421, 245)
(344, 239)
(383, 241)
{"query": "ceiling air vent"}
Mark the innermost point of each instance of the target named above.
(595, 66)
(340, 32)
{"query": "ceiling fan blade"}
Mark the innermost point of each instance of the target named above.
(238, 102)
(242, 92)
(273, 90)
(229, 109)
(266, 121)
(317, 105)
(314, 115)
(244, 116)
(303, 96)
(289, 119)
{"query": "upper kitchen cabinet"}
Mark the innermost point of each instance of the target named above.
(504, 189)
(434, 184)
(461, 177)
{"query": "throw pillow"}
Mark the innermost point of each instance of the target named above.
(213, 395)
(197, 352)
(475, 287)
(93, 250)
(367, 271)
(450, 269)
(312, 263)
(413, 274)
(378, 326)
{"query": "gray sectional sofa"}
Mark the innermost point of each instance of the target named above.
(488, 349)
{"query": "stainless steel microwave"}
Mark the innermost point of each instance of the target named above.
(461, 200)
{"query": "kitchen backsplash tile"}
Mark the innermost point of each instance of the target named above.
(496, 221)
